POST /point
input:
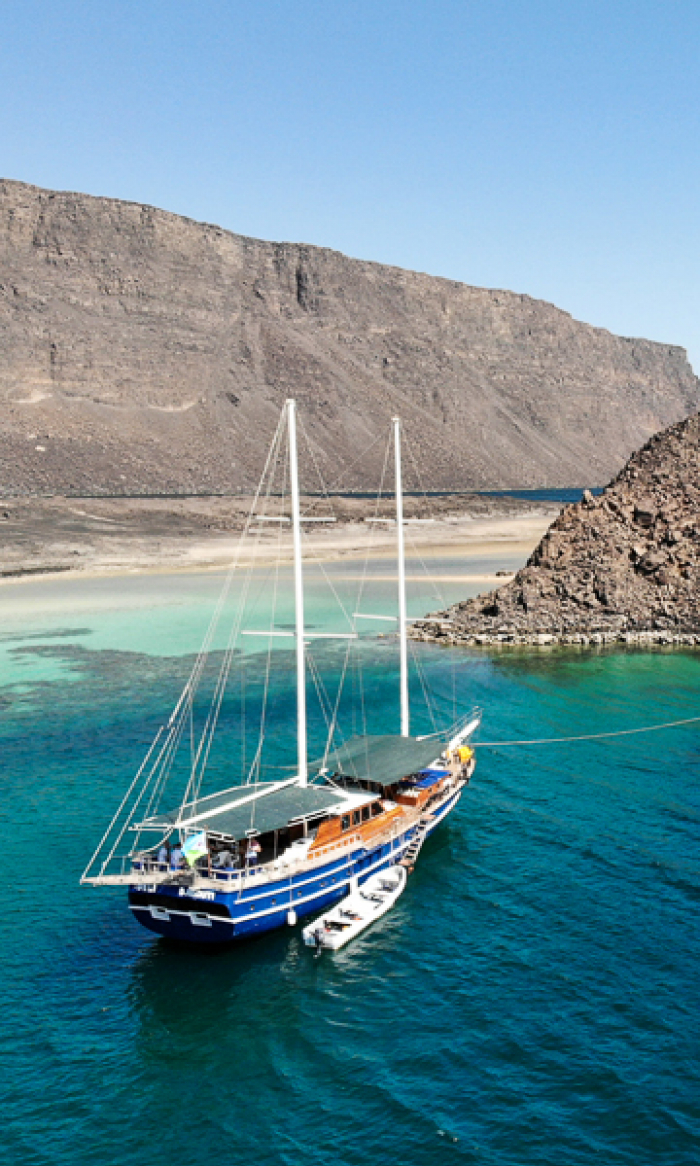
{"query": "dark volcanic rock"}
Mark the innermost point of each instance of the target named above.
(624, 566)
(141, 351)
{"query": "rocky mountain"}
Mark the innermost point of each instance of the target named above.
(624, 566)
(142, 351)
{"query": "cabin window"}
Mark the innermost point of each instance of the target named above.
(365, 813)
(376, 809)
(356, 817)
(345, 822)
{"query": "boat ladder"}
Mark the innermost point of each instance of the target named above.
(414, 847)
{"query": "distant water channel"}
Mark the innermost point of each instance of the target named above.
(533, 999)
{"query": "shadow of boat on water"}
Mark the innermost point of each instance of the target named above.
(196, 1002)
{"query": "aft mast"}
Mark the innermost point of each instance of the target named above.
(403, 639)
(302, 760)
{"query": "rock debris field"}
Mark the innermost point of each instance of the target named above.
(621, 567)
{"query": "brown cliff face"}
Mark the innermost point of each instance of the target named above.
(622, 566)
(141, 351)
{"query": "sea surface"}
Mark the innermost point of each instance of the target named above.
(543, 494)
(533, 998)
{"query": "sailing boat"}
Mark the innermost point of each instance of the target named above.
(259, 855)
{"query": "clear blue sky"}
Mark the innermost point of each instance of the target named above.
(547, 146)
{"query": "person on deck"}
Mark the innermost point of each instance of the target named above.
(164, 855)
(223, 860)
(254, 849)
(176, 858)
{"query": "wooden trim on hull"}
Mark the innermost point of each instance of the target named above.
(196, 921)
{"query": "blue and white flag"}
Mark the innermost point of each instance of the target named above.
(195, 847)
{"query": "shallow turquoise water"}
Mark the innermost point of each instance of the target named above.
(532, 999)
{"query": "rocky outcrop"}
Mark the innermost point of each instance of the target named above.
(621, 567)
(141, 351)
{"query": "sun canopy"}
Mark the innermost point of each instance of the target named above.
(264, 807)
(383, 760)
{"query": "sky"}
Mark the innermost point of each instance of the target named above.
(547, 147)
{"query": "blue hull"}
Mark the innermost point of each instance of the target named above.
(219, 917)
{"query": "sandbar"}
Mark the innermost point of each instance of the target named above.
(80, 538)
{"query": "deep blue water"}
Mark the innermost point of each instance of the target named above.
(533, 998)
(543, 494)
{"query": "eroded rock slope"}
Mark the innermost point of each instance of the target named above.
(622, 566)
(142, 351)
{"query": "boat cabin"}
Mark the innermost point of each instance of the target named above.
(359, 790)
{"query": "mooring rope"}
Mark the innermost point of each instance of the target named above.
(588, 736)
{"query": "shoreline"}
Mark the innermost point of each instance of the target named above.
(427, 631)
(62, 540)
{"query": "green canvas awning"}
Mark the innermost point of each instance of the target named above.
(383, 760)
(265, 807)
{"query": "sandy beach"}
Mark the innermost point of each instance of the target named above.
(122, 536)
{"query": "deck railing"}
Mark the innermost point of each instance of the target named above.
(145, 868)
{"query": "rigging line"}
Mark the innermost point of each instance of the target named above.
(434, 586)
(319, 475)
(317, 560)
(200, 662)
(425, 687)
(438, 594)
(377, 500)
(331, 722)
(243, 714)
(160, 770)
(204, 651)
(333, 488)
(256, 763)
(273, 612)
(162, 767)
(256, 768)
(433, 696)
(358, 655)
(311, 559)
(229, 653)
(153, 776)
(323, 698)
(159, 773)
(332, 728)
(124, 800)
(589, 736)
(215, 707)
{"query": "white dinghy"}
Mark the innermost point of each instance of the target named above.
(362, 907)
